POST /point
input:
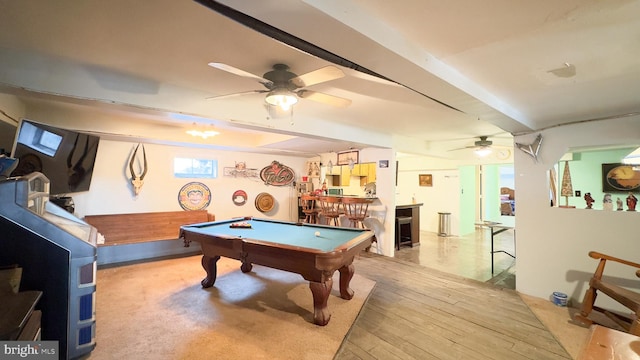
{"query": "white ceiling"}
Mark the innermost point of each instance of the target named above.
(458, 69)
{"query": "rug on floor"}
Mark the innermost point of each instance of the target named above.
(159, 310)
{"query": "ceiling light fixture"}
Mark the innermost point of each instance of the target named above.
(483, 151)
(281, 97)
(202, 133)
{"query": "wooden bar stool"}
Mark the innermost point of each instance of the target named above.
(356, 210)
(330, 209)
(309, 208)
(400, 239)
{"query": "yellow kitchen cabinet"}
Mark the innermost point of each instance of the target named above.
(335, 170)
(356, 170)
(345, 175)
(367, 173)
(371, 175)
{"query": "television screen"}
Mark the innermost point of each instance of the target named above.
(64, 156)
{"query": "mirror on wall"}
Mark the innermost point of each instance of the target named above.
(597, 179)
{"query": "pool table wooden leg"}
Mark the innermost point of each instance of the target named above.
(346, 273)
(321, 291)
(210, 266)
(246, 265)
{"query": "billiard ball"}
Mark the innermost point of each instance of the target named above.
(317, 233)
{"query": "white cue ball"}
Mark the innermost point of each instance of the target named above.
(317, 233)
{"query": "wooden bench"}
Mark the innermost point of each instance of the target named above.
(119, 229)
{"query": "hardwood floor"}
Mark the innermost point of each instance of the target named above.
(419, 311)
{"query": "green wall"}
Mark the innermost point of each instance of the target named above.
(491, 191)
(586, 176)
(467, 199)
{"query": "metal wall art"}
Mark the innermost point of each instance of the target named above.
(533, 148)
(277, 174)
(241, 170)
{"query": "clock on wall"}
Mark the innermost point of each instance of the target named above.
(503, 154)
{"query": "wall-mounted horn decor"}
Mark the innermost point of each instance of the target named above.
(138, 180)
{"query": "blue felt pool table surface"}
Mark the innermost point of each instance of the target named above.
(282, 233)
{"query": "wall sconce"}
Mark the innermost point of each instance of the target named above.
(203, 133)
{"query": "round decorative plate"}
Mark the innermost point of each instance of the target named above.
(194, 196)
(623, 177)
(265, 202)
(239, 197)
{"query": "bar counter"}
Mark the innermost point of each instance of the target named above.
(412, 210)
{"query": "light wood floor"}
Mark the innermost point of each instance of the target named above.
(468, 256)
(437, 301)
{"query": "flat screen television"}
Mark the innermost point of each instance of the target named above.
(64, 156)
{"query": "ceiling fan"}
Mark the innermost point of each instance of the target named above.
(481, 147)
(283, 87)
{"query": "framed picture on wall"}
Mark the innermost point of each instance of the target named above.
(425, 180)
(618, 177)
(345, 157)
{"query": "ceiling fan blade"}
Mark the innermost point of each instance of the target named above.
(466, 147)
(236, 71)
(321, 75)
(237, 94)
(324, 98)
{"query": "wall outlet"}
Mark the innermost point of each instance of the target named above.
(578, 193)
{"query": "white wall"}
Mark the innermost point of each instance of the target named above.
(552, 243)
(443, 196)
(111, 191)
(384, 207)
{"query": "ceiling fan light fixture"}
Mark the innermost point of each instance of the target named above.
(282, 98)
(482, 151)
(204, 133)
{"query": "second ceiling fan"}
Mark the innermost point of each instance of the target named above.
(283, 87)
(481, 147)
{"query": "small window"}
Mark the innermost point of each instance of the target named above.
(195, 168)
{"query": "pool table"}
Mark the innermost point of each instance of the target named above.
(287, 246)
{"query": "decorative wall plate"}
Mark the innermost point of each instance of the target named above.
(620, 177)
(265, 202)
(239, 197)
(194, 196)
